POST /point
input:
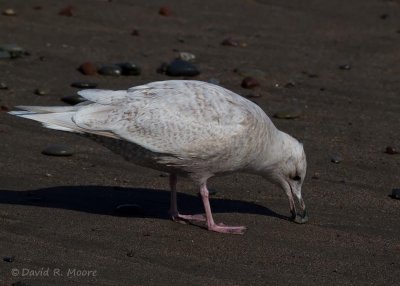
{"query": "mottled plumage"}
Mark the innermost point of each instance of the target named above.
(186, 128)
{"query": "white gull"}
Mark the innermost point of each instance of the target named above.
(186, 128)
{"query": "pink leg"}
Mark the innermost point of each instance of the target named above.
(211, 225)
(173, 210)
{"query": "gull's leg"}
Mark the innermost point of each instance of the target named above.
(173, 210)
(211, 225)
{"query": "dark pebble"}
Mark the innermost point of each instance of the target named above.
(41, 91)
(230, 42)
(83, 84)
(384, 16)
(129, 68)
(313, 75)
(179, 67)
(253, 95)
(8, 258)
(88, 68)
(67, 11)
(3, 85)
(322, 89)
(391, 150)
(288, 113)
(290, 84)
(58, 150)
(38, 7)
(396, 194)
(4, 108)
(345, 67)
(249, 82)
(130, 253)
(135, 32)
(110, 70)
(129, 210)
(336, 158)
(73, 99)
(165, 11)
(9, 12)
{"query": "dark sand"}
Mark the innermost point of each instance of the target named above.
(57, 213)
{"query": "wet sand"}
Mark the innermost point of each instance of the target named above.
(57, 213)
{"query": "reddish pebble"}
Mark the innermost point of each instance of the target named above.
(249, 82)
(67, 11)
(135, 32)
(4, 108)
(165, 11)
(230, 42)
(88, 68)
(390, 150)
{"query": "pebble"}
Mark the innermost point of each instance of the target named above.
(345, 67)
(249, 72)
(14, 51)
(189, 57)
(253, 95)
(165, 11)
(3, 85)
(391, 150)
(67, 11)
(130, 253)
(73, 99)
(230, 42)
(135, 32)
(4, 55)
(41, 91)
(4, 108)
(214, 81)
(396, 194)
(58, 150)
(83, 84)
(129, 68)
(88, 68)
(288, 113)
(180, 67)
(384, 16)
(129, 210)
(8, 258)
(290, 84)
(9, 12)
(336, 158)
(249, 82)
(110, 70)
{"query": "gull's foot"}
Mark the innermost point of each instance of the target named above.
(181, 218)
(221, 228)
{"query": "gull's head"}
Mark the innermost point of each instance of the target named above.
(288, 172)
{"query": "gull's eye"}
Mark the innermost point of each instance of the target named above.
(296, 178)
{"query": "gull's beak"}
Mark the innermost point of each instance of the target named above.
(297, 206)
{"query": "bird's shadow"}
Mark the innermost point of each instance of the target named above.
(151, 203)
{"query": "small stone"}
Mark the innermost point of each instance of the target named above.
(129, 68)
(67, 11)
(345, 67)
(336, 158)
(130, 253)
(83, 84)
(3, 85)
(88, 68)
(230, 42)
(391, 150)
(58, 150)
(249, 82)
(13, 50)
(249, 72)
(135, 32)
(129, 210)
(290, 113)
(9, 12)
(396, 194)
(165, 11)
(110, 70)
(322, 89)
(187, 56)
(8, 258)
(384, 16)
(180, 67)
(4, 108)
(253, 95)
(41, 91)
(73, 99)
(290, 84)
(214, 81)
